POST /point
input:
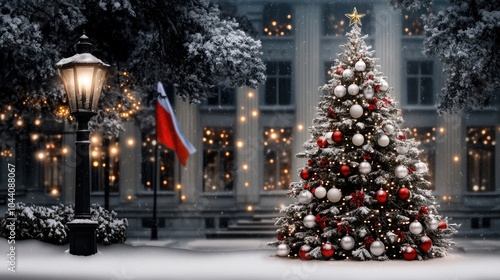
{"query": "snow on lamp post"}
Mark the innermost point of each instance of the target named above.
(83, 76)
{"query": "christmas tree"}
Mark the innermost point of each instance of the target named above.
(362, 194)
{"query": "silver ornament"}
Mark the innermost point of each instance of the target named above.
(360, 65)
(320, 192)
(353, 89)
(305, 197)
(358, 139)
(383, 141)
(401, 150)
(416, 227)
(384, 86)
(432, 224)
(329, 138)
(356, 111)
(334, 195)
(339, 91)
(309, 221)
(421, 167)
(365, 167)
(377, 248)
(401, 171)
(389, 128)
(283, 250)
(347, 242)
(347, 74)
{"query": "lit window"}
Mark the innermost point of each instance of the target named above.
(427, 138)
(105, 162)
(413, 24)
(480, 159)
(165, 165)
(278, 90)
(335, 23)
(419, 82)
(277, 20)
(218, 159)
(277, 158)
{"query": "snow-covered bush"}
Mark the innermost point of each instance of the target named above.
(48, 224)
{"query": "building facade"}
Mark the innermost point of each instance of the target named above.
(246, 138)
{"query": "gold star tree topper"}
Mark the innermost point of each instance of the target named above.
(354, 17)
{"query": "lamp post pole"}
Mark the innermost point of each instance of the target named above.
(83, 77)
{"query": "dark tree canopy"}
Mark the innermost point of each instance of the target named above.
(185, 42)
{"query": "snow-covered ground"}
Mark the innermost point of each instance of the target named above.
(236, 259)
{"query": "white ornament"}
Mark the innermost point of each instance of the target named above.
(383, 141)
(416, 227)
(360, 65)
(347, 74)
(283, 250)
(329, 138)
(309, 221)
(368, 92)
(358, 139)
(320, 192)
(365, 167)
(353, 89)
(421, 167)
(389, 128)
(384, 86)
(377, 248)
(347, 242)
(432, 224)
(401, 150)
(339, 91)
(305, 197)
(334, 195)
(401, 171)
(356, 111)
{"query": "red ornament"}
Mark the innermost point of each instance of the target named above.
(310, 162)
(337, 136)
(381, 196)
(442, 225)
(306, 186)
(313, 190)
(345, 170)
(321, 142)
(425, 243)
(303, 251)
(371, 76)
(403, 193)
(423, 210)
(305, 174)
(327, 250)
(281, 236)
(339, 71)
(409, 253)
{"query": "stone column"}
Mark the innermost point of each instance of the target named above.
(248, 148)
(130, 161)
(387, 45)
(307, 75)
(188, 117)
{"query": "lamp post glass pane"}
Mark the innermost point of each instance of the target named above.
(99, 76)
(68, 75)
(85, 92)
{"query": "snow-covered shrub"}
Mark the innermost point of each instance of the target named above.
(48, 224)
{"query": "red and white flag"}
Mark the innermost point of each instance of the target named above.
(168, 131)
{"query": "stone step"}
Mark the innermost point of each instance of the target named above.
(239, 234)
(239, 227)
(256, 223)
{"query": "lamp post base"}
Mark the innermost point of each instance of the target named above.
(82, 237)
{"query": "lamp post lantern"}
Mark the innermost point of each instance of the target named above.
(83, 77)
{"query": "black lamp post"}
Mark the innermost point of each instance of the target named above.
(83, 76)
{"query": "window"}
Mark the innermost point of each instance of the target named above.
(165, 168)
(277, 158)
(105, 162)
(218, 159)
(48, 153)
(222, 97)
(278, 90)
(419, 82)
(480, 159)
(335, 23)
(277, 19)
(427, 138)
(413, 25)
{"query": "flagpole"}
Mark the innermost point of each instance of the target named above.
(154, 228)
